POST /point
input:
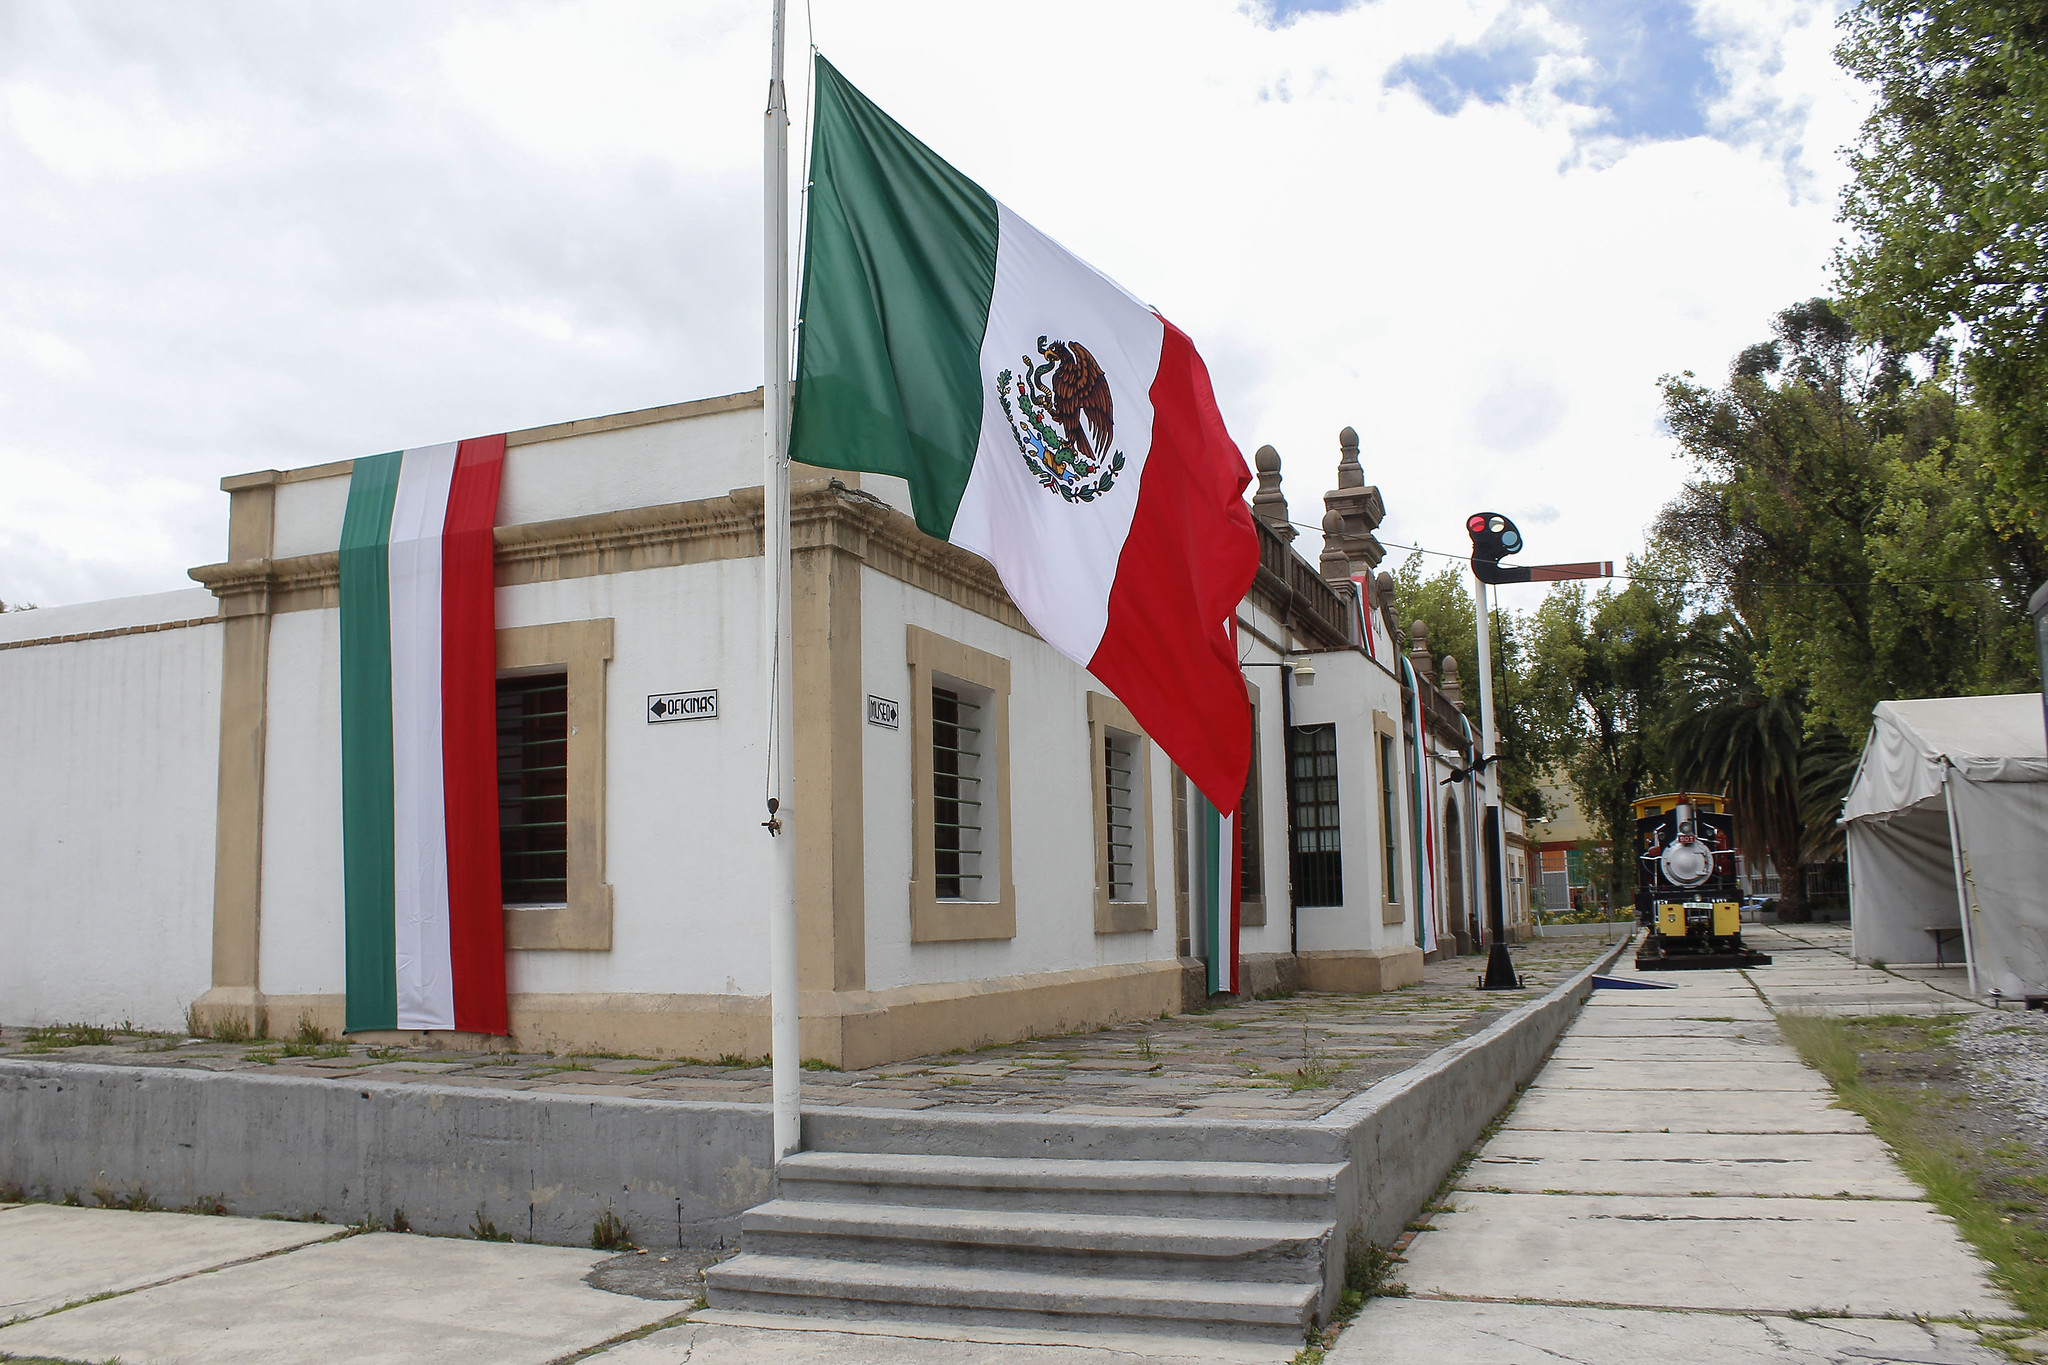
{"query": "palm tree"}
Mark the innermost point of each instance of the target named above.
(1731, 733)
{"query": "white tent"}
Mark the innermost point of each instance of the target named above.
(1948, 839)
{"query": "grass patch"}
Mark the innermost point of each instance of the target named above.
(820, 1064)
(484, 1230)
(555, 1068)
(1958, 1178)
(55, 1036)
(610, 1233)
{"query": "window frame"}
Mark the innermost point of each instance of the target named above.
(581, 650)
(1137, 915)
(1386, 750)
(1251, 827)
(934, 659)
(1304, 885)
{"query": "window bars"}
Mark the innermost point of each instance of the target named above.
(1312, 789)
(956, 795)
(1251, 882)
(533, 788)
(1390, 847)
(1119, 804)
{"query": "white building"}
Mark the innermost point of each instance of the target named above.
(173, 779)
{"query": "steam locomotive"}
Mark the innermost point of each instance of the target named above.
(1688, 899)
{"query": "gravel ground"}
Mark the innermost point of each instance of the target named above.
(2007, 1053)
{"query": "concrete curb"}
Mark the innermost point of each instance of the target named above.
(543, 1167)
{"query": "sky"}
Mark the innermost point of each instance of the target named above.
(252, 234)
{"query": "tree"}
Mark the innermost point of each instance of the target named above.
(1527, 718)
(1841, 509)
(1607, 653)
(1731, 733)
(1949, 204)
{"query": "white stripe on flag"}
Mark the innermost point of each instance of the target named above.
(1058, 559)
(426, 986)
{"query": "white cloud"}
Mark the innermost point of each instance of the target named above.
(252, 236)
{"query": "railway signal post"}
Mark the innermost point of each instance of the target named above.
(1494, 537)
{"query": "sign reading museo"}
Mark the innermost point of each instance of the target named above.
(667, 706)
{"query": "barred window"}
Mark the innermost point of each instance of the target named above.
(1390, 844)
(533, 788)
(1250, 849)
(957, 791)
(1312, 789)
(1119, 808)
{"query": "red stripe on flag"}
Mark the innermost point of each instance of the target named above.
(1188, 561)
(469, 738)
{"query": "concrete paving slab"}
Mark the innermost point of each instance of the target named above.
(1737, 1254)
(1735, 1009)
(1588, 1074)
(51, 1255)
(1806, 1164)
(1642, 1026)
(1681, 1111)
(376, 1299)
(726, 1338)
(1727, 1048)
(1529, 1334)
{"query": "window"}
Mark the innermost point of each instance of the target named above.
(533, 788)
(551, 695)
(1251, 847)
(1390, 829)
(960, 780)
(1120, 774)
(1120, 829)
(956, 793)
(1312, 788)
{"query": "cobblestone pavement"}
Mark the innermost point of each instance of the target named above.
(1291, 1057)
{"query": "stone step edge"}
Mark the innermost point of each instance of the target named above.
(1195, 1238)
(1094, 1174)
(1030, 1291)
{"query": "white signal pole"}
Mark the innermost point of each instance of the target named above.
(784, 1037)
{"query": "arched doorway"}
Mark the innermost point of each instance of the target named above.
(1454, 876)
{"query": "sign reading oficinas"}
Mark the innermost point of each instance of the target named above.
(882, 712)
(667, 706)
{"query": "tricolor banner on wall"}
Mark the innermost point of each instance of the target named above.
(419, 778)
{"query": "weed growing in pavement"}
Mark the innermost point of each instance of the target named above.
(610, 1233)
(555, 1068)
(1317, 1072)
(383, 1054)
(484, 1230)
(210, 1205)
(820, 1064)
(137, 1200)
(11, 1193)
(1145, 1047)
(230, 1028)
(399, 1222)
(736, 1061)
(54, 1036)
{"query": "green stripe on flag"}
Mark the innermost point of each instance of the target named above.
(371, 932)
(1212, 893)
(899, 266)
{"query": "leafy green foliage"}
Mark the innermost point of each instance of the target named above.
(1950, 209)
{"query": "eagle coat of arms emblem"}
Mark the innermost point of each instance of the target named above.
(1063, 419)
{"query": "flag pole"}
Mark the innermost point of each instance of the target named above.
(784, 1037)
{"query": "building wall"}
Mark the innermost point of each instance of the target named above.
(1349, 688)
(1052, 860)
(109, 751)
(683, 856)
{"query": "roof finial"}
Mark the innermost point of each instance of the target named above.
(1269, 504)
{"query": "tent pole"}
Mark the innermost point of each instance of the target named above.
(1955, 850)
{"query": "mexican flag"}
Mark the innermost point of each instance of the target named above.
(1044, 418)
(425, 928)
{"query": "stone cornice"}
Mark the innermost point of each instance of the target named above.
(824, 513)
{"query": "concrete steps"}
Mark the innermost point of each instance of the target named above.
(1233, 1249)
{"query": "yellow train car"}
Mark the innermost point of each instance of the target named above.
(1688, 897)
